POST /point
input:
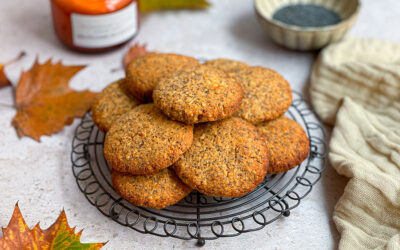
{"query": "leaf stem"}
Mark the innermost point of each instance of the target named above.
(7, 105)
(116, 69)
(21, 55)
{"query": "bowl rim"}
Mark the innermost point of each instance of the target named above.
(283, 25)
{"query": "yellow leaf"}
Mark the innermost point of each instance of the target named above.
(151, 5)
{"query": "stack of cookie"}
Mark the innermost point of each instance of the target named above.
(174, 125)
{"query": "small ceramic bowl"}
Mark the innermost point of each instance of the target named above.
(306, 38)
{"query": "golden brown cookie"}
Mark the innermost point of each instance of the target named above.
(267, 95)
(287, 143)
(198, 94)
(145, 141)
(228, 158)
(157, 190)
(226, 65)
(144, 72)
(112, 102)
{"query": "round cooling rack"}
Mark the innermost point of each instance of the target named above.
(198, 216)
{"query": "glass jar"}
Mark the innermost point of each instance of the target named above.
(95, 25)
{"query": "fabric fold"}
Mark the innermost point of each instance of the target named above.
(355, 85)
(368, 213)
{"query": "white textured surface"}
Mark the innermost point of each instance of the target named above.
(39, 176)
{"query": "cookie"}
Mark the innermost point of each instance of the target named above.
(287, 143)
(145, 141)
(157, 190)
(112, 102)
(144, 72)
(226, 65)
(267, 95)
(228, 158)
(198, 94)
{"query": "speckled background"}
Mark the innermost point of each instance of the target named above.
(39, 176)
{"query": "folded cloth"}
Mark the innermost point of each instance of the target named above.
(366, 70)
(362, 148)
(356, 85)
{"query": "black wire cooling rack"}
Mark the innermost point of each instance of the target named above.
(198, 216)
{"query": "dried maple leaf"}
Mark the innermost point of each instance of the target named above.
(45, 102)
(17, 235)
(3, 78)
(150, 5)
(135, 51)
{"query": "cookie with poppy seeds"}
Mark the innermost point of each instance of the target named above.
(267, 95)
(226, 65)
(288, 144)
(198, 94)
(228, 158)
(144, 72)
(113, 101)
(157, 190)
(144, 141)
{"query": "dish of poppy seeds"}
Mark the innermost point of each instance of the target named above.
(227, 133)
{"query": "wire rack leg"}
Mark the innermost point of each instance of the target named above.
(287, 211)
(200, 241)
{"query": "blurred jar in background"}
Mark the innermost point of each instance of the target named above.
(95, 25)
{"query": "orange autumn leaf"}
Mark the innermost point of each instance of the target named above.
(3, 78)
(135, 51)
(17, 235)
(45, 102)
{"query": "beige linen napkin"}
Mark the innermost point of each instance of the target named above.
(366, 70)
(355, 85)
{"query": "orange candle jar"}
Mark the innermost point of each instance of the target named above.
(95, 25)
